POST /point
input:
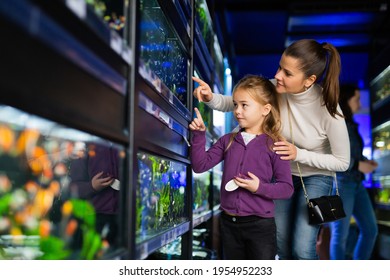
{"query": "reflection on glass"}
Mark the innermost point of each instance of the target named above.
(161, 50)
(43, 214)
(201, 192)
(160, 195)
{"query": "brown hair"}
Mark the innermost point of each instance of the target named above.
(323, 61)
(262, 91)
(347, 91)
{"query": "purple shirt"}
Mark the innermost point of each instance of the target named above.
(83, 169)
(256, 157)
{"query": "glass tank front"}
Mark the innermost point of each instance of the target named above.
(381, 154)
(381, 86)
(161, 50)
(201, 190)
(161, 195)
(111, 12)
(59, 190)
(205, 23)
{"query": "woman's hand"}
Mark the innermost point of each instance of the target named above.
(287, 150)
(197, 123)
(251, 183)
(99, 182)
(203, 91)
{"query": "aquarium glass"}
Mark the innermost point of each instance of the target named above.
(204, 22)
(201, 191)
(161, 50)
(112, 12)
(161, 195)
(380, 86)
(48, 209)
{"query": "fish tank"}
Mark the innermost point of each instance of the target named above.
(48, 209)
(200, 191)
(173, 250)
(161, 195)
(162, 52)
(380, 88)
(218, 61)
(203, 18)
(381, 154)
(112, 12)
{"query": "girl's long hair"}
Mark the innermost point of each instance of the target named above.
(262, 91)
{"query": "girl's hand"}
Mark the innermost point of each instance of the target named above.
(99, 182)
(251, 183)
(367, 166)
(287, 150)
(203, 91)
(197, 123)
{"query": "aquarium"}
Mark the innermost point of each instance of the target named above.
(200, 191)
(112, 12)
(48, 209)
(204, 21)
(161, 50)
(173, 250)
(161, 195)
(380, 87)
(381, 154)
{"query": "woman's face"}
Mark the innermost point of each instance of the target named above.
(354, 102)
(290, 78)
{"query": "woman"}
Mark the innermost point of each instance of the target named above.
(308, 88)
(253, 175)
(355, 197)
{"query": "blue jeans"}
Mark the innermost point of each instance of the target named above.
(296, 239)
(357, 203)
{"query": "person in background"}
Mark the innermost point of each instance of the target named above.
(253, 174)
(356, 200)
(95, 177)
(307, 83)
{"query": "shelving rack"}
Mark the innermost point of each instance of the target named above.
(117, 73)
(380, 123)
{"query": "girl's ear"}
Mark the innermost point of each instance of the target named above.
(266, 109)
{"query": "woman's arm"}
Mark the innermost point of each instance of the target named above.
(214, 101)
(338, 157)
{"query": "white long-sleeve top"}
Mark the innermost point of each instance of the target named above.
(322, 141)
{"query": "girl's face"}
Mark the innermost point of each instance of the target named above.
(354, 102)
(290, 78)
(249, 113)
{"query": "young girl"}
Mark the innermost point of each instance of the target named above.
(316, 136)
(253, 175)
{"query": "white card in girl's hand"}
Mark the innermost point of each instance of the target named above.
(231, 186)
(116, 185)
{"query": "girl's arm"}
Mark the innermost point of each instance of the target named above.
(201, 159)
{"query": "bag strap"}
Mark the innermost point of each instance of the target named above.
(299, 169)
